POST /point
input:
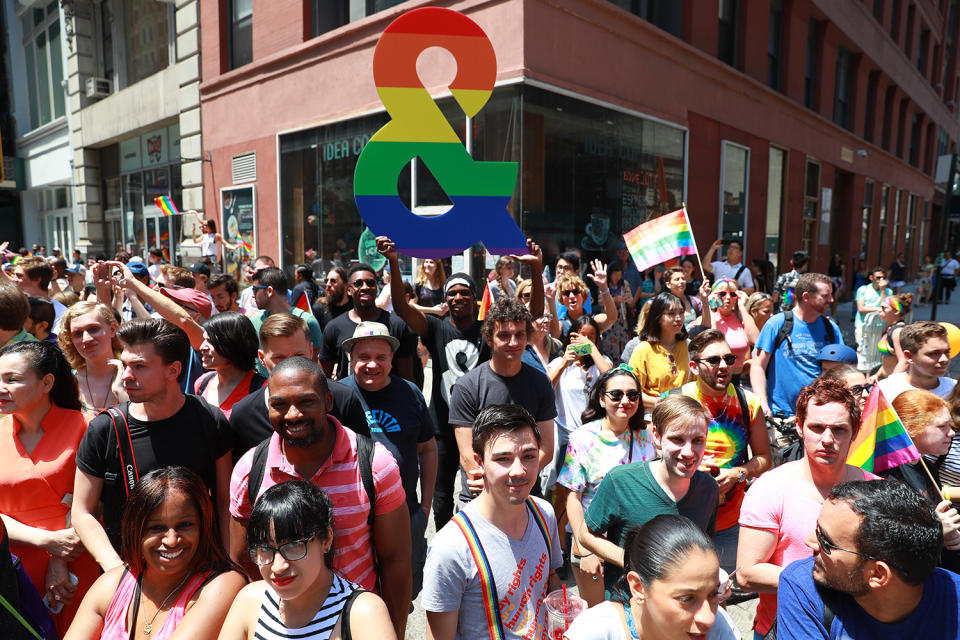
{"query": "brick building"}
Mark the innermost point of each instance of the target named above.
(789, 124)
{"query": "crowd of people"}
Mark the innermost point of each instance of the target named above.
(190, 454)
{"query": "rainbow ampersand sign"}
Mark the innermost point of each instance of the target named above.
(479, 190)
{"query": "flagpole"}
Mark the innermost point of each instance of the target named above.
(683, 207)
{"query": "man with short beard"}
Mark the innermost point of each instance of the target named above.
(632, 494)
(874, 566)
(223, 291)
(310, 445)
(335, 299)
(736, 421)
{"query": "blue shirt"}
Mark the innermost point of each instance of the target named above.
(800, 610)
(796, 362)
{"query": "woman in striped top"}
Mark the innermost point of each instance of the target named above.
(290, 539)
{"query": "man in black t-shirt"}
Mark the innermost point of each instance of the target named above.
(335, 301)
(161, 426)
(283, 335)
(506, 379)
(363, 289)
(456, 346)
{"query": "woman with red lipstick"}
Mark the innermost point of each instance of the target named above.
(290, 538)
(671, 589)
(660, 360)
(39, 437)
(176, 581)
(229, 351)
(88, 338)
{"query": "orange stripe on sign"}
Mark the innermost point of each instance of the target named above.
(433, 20)
(395, 60)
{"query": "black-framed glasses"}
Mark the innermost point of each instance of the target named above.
(525, 295)
(858, 389)
(370, 282)
(617, 395)
(263, 555)
(713, 361)
(828, 547)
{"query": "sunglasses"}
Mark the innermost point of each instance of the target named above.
(370, 282)
(828, 547)
(617, 395)
(257, 287)
(857, 389)
(291, 552)
(713, 361)
(569, 292)
(525, 295)
(724, 294)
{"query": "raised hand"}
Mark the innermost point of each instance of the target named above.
(387, 248)
(535, 256)
(599, 275)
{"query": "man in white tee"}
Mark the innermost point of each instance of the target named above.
(732, 268)
(927, 350)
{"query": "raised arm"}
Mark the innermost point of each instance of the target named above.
(535, 259)
(610, 314)
(414, 318)
(708, 256)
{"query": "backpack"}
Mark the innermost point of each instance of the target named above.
(364, 462)
(784, 334)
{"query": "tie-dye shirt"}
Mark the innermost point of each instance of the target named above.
(591, 454)
(727, 441)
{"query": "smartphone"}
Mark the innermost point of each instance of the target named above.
(583, 349)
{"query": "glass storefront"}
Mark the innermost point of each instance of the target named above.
(587, 174)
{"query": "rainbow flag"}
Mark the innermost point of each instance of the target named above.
(883, 442)
(661, 239)
(485, 302)
(304, 302)
(245, 245)
(165, 204)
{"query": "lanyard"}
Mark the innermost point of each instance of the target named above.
(630, 625)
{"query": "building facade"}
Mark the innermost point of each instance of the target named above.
(786, 124)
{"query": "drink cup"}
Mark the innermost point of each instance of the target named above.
(560, 617)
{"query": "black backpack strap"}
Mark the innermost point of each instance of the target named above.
(744, 407)
(257, 468)
(828, 331)
(203, 381)
(365, 464)
(828, 597)
(784, 333)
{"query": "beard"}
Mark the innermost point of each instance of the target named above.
(310, 436)
(852, 582)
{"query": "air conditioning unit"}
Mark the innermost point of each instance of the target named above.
(98, 87)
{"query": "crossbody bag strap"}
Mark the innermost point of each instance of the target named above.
(16, 614)
(345, 631)
(128, 460)
(491, 601)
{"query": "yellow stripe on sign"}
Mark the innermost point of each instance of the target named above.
(414, 117)
(471, 100)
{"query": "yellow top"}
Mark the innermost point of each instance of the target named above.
(659, 370)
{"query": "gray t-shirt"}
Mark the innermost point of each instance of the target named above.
(603, 622)
(521, 570)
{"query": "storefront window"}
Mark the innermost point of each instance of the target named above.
(733, 199)
(587, 174)
(776, 171)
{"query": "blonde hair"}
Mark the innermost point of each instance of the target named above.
(916, 408)
(422, 278)
(178, 276)
(523, 286)
(755, 299)
(65, 337)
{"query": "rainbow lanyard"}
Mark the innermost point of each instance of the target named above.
(488, 586)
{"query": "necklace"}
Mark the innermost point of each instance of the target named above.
(148, 627)
(86, 378)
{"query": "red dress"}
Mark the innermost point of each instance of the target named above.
(33, 488)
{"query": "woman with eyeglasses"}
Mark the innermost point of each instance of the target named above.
(660, 359)
(893, 309)
(290, 539)
(176, 581)
(928, 420)
(604, 441)
(726, 306)
(88, 339)
(855, 380)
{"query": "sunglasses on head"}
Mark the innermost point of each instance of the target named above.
(617, 395)
(370, 282)
(729, 358)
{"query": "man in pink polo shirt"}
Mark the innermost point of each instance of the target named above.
(308, 444)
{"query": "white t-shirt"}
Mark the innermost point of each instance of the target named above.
(572, 392)
(950, 267)
(723, 269)
(602, 622)
(894, 385)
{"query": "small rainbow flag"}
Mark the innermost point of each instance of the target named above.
(246, 246)
(165, 204)
(485, 303)
(304, 302)
(661, 239)
(883, 442)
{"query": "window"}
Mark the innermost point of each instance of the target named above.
(943, 143)
(911, 231)
(665, 14)
(327, 15)
(865, 211)
(884, 200)
(240, 40)
(107, 67)
(896, 221)
(774, 44)
(379, 5)
(841, 92)
(895, 21)
(810, 75)
(887, 111)
(727, 44)
(914, 138)
(811, 206)
(871, 106)
(776, 172)
(901, 125)
(922, 45)
(878, 10)
(44, 61)
(734, 181)
(146, 38)
(911, 19)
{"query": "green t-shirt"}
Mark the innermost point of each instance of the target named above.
(629, 496)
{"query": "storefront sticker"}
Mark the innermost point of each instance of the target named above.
(480, 191)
